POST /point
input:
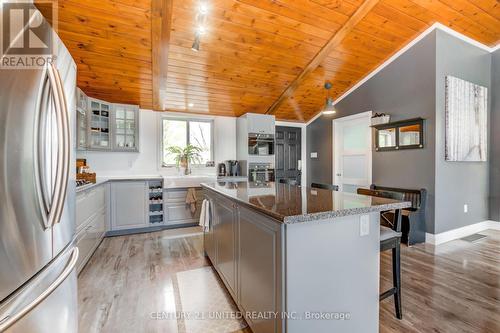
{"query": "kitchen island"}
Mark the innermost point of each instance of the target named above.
(297, 259)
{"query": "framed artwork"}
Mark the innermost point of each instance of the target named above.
(466, 113)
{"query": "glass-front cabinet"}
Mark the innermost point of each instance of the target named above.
(100, 137)
(81, 120)
(126, 127)
(106, 126)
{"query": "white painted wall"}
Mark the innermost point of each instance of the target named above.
(147, 161)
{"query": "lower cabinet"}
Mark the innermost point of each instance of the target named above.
(259, 269)
(88, 203)
(91, 212)
(176, 209)
(129, 205)
(245, 248)
(225, 243)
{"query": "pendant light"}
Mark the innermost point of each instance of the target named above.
(196, 43)
(201, 20)
(329, 107)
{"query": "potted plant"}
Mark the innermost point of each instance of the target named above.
(185, 156)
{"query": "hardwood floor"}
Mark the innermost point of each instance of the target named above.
(452, 288)
(138, 283)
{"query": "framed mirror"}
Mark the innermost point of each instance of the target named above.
(405, 134)
(410, 135)
(386, 138)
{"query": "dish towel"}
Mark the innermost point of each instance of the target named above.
(205, 215)
(191, 199)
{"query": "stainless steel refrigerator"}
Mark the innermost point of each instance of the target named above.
(38, 286)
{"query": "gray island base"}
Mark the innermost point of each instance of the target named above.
(297, 259)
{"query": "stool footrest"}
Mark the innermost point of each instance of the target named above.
(388, 293)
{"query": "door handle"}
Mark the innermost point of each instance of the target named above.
(48, 155)
(338, 174)
(10, 320)
(51, 187)
(66, 144)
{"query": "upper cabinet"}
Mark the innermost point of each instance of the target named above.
(106, 126)
(125, 122)
(100, 136)
(260, 123)
(81, 120)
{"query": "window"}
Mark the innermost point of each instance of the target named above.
(181, 132)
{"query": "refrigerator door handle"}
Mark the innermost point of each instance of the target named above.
(50, 158)
(11, 319)
(65, 144)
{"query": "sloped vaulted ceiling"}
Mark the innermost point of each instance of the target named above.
(257, 55)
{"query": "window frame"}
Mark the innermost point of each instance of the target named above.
(187, 120)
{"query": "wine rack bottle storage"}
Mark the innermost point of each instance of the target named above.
(156, 215)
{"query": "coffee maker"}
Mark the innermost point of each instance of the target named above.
(221, 170)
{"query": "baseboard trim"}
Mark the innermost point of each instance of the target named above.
(123, 232)
(437, 239)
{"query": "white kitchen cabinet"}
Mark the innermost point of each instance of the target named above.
(129, 205)
(260, 123)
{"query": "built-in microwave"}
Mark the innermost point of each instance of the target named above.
(260, 144)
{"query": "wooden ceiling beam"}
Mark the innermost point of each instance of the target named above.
(161, 24)
(333, 42)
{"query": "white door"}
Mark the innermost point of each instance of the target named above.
(352, 152)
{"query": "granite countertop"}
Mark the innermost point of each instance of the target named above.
(295, 204)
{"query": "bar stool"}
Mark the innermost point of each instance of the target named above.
(390, 239)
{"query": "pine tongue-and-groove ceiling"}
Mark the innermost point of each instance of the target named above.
(259, 56)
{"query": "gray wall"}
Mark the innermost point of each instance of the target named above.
(459, 183)
(319, 139)
(495, 138)
(404, 89)
(414, 86)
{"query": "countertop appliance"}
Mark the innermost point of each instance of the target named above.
(38, 282)
(221, 170)
(232, 168)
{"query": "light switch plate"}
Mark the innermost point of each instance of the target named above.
(466, 208)
(364, 225)
(314, 155)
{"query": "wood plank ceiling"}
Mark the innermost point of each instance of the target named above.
(253, 50)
